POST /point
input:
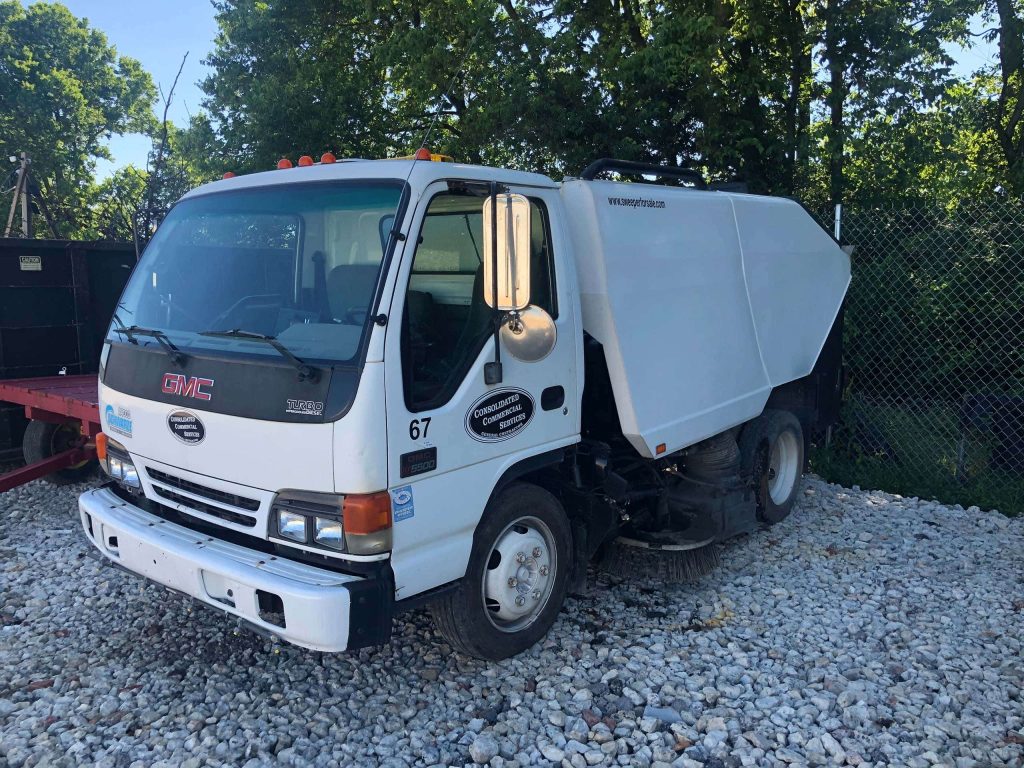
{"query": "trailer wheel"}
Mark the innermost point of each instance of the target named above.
(44, 439)
(517, 576)
(772, 455)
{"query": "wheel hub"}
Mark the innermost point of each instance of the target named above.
(783, 467)
(519, 576)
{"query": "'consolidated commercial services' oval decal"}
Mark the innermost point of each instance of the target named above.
(186, 427)
(500, 415)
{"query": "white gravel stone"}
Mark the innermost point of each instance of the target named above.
(483, 749)
(552, 753)
(867, 629)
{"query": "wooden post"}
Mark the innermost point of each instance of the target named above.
(21, 192)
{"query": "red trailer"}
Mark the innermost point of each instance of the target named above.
(61, 436)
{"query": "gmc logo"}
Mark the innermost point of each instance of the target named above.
(186, 386)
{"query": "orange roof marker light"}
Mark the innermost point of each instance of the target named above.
(283, 163)
(327, 157)
(425, 154)
(305, 161)
(229, 175)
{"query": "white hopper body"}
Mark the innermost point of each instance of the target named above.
(704, 301)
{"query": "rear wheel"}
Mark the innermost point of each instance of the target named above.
(516, 580)
(43, 439)
(772, 455)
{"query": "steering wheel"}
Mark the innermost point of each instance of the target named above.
(269, 299)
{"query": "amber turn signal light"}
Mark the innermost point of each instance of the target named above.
(367, 513)
(367, 523)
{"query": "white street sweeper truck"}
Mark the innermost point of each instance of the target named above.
(335, 392)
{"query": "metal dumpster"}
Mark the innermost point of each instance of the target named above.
(56, 299)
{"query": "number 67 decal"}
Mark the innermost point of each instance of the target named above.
(418, 428)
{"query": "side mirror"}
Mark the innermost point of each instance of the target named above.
(512, 264)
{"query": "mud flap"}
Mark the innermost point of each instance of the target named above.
(371, 610)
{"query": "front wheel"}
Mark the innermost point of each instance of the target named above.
(516, 580)
(772, 455)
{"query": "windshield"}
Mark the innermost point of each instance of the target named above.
(296, 262)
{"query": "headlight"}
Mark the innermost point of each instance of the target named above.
(357, 524)
(115, 467)
(291, 525)
(130, 476)
(329, 533)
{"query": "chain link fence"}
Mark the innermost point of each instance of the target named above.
(934, 349)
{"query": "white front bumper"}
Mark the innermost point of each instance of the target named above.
(226, 576)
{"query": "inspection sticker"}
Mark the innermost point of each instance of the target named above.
(401, 503)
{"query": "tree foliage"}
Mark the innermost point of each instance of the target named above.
(63, 92)
(800, 97)
(829, 100)
(1007, 120)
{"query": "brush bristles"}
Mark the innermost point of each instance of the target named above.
(667, 565)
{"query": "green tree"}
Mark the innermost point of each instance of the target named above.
(881, 57)
(1007, 117)
(295, 78)
(63, 92)
(942, 154)
(793, 96)
(497, 79)
(113, 205)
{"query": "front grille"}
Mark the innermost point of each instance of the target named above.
(207, 509)
(231, 499)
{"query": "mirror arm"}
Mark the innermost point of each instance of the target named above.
(492, 370)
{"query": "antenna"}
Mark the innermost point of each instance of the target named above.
(437, 112)
(451, 83)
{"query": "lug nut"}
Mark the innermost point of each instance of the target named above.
(543, 570)
(520, 600)
(536, 594)
(537, 551)
(513, 581)
(520, 557)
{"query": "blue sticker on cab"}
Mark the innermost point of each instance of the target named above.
(401, 503)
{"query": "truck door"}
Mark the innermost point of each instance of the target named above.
(450, 435)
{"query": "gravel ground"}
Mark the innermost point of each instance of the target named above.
(867, 629)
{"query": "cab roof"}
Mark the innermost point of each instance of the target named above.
(419, 172)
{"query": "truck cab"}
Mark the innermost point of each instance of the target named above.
(333, 392)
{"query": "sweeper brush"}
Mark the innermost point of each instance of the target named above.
(663, 559)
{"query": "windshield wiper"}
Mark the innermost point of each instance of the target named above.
(306, 371)
(131, 331)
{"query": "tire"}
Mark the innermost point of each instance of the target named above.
(481, 618)
(43, 439)
(772, 455)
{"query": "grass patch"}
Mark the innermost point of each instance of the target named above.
(920, 451)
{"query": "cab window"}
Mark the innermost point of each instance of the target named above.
(446, 320)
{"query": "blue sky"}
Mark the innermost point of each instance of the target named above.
(159, 32)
